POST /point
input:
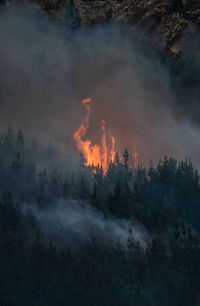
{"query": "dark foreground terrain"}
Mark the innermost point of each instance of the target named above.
(37, 268)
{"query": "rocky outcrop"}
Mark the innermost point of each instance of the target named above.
(164, 20)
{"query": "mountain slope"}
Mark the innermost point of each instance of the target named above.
(164, 21)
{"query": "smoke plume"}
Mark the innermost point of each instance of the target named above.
(74, 223)
(47, 69)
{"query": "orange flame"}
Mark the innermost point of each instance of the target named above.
(113, 151)
(95, 155)
(104, 150)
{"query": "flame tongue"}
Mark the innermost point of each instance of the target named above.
(104, 150)
(113, 151)
(95, 155)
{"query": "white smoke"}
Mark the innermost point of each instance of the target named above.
(75, 223)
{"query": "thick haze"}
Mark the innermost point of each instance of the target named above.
(45, 73)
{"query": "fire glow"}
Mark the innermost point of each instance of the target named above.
(97, 155)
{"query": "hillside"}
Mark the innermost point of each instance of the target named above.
(99, 153)
(165, 21)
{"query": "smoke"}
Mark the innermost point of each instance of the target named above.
(74, 223)
(46, 71)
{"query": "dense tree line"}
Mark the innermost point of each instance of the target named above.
(164, 198)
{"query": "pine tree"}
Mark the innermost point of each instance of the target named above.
(164, 171)
(93, 197)
(84, 192)
(125, 160)
(8, 139)
(20, 140)
(116, 159)
(17, 164)
(65, 189)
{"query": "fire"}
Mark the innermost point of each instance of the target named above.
(104, 149)
(113, 151)
(97, 155)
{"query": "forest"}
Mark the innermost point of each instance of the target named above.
(48, 258)
(126, 233)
